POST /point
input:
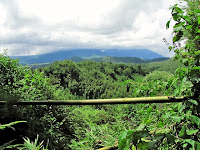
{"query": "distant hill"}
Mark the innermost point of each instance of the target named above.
(78, 55)
(124, 59)
(168, 65)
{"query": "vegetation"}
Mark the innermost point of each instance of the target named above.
(183, 133)
(141, 126)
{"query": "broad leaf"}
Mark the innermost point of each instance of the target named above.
(193, 102)
(191, 132)
(182, 132)
(195, 119)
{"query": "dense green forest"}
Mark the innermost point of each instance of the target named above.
(63, 80)
(123, 127)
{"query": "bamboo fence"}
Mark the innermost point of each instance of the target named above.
(160, 99)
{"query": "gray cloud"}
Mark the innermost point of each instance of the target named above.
(130, 24)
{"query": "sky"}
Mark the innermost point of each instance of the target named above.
(30, 27)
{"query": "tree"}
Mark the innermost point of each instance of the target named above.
(186, 45)
(183, 132)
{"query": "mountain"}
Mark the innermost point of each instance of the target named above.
(87, 54)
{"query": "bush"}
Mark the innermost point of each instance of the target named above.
(158, 75)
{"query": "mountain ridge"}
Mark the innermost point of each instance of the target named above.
(87, 53)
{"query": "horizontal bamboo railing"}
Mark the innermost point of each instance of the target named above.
(160, 99)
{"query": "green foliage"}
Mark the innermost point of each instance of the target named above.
(158, 75)
(28, 145)
(90, 127)
(181, 131)
(91, 80)
(169, 65)
(21, 83)
(9, 125)
(97, 127)
(187, 28)
(156, 83)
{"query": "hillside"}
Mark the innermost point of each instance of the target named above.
(86, 54)
(169, 65)
(133, 60)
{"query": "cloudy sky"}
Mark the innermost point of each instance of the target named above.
(29, 27)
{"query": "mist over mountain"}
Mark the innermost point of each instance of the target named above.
(87, 54)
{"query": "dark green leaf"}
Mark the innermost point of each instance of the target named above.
(175, 38)
(182, 132)
(178, 36)
(175, 16)
(195, 119)
(170, 137)
(167, 25)
(179, 10)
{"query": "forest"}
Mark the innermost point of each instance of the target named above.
(123, 127)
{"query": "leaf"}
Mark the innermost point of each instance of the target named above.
(177, 119)
(196, 68)
(167, 25)
(193, 102)
(197, 145)
(185, 145)
(189, 27)
(149, 109)
(195, 119)
(175, 16)
(197, 37)
(198, 20)
(160, 124)
(197, 52)
(177, 36)
(191, 132)
(178, 9)
(133, 147)
(141, 127)
(125, 139)
(187, 18)
(197, 11)
(163, 131)
(10, 124)
(190, 141)
(182, 132)
(170, 137)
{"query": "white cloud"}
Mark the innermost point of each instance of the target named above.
(41, 26)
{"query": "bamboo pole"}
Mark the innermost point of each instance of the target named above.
(160, 99)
